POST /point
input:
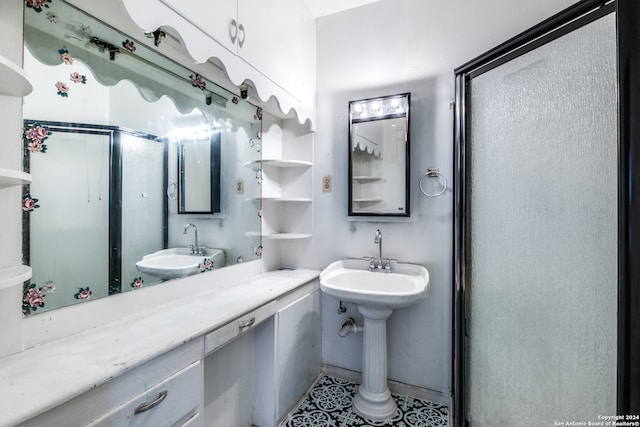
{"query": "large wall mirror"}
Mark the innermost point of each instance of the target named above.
(133, 157)
(379, 156)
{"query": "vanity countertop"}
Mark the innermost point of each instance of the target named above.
(45, 376)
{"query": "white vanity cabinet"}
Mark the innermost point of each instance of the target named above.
(243, 354)
(297, 351)
(260, 375)
(165, 391)
(290, 358)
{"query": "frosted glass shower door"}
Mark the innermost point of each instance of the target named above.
(541, 185)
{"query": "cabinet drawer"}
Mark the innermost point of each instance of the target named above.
(233, 329)
(170, 402)
(194, 421)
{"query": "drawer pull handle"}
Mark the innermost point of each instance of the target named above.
(246, 324)
(143, 407)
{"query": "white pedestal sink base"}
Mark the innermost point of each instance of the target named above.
(374, 401)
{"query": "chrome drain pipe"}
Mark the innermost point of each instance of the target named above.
(350, 326)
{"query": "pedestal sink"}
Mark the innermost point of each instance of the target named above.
(377, 294)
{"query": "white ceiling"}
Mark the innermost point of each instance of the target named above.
(328, 7)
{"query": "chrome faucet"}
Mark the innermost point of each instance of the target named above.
(195, 249)
(378, 241)
(379, 264)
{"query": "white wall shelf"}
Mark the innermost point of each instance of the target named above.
(279, 163)
(368, 200)
(14, 275)
(282, 199)
(287, 163)
(287, 193)
(278, 236)
(13, 80)
(10, 177)
(368, 178)
(286, 236)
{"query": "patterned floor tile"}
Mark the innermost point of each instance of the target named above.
(329, 405)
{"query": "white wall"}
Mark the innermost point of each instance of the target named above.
(396, 46)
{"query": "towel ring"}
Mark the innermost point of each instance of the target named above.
(434, 173)
(172, 191)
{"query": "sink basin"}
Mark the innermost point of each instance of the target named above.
(349, 280)
(178, 262)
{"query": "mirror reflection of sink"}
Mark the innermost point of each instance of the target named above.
(349, 280)
(174, 263)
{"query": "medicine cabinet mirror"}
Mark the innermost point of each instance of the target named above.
(126, 147)
(199, 173)
(379, 156)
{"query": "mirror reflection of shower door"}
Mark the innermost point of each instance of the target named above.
(73, 217)
(541, 246)
(143, 200)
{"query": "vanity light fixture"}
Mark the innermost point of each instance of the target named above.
(194, 132)
(378, 107)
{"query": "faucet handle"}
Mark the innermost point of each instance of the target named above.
(372, 262)
(387, 264)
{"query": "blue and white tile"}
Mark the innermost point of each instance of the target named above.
(329, 404)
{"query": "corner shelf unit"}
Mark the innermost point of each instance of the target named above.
(281, 199)
(14, 275)
(287, 236)
(278, 236)
(368, 178)
(279, 163)
(10, 178)
(286, 183)
(13, 82)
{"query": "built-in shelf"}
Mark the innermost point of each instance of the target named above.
(278, 236)
(368, 200)
(286, 236)
(365, 179)
(281, 199)
(13, 80)
(14, 275)
(10, 177)
(279, 163)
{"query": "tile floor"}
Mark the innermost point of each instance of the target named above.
(329, 404)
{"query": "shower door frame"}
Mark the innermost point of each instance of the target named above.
(116, 210)
(627, 13)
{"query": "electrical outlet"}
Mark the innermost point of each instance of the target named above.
(326, 184)
(239, 186)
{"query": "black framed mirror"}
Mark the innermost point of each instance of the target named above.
(379, 156)
(199, 173)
